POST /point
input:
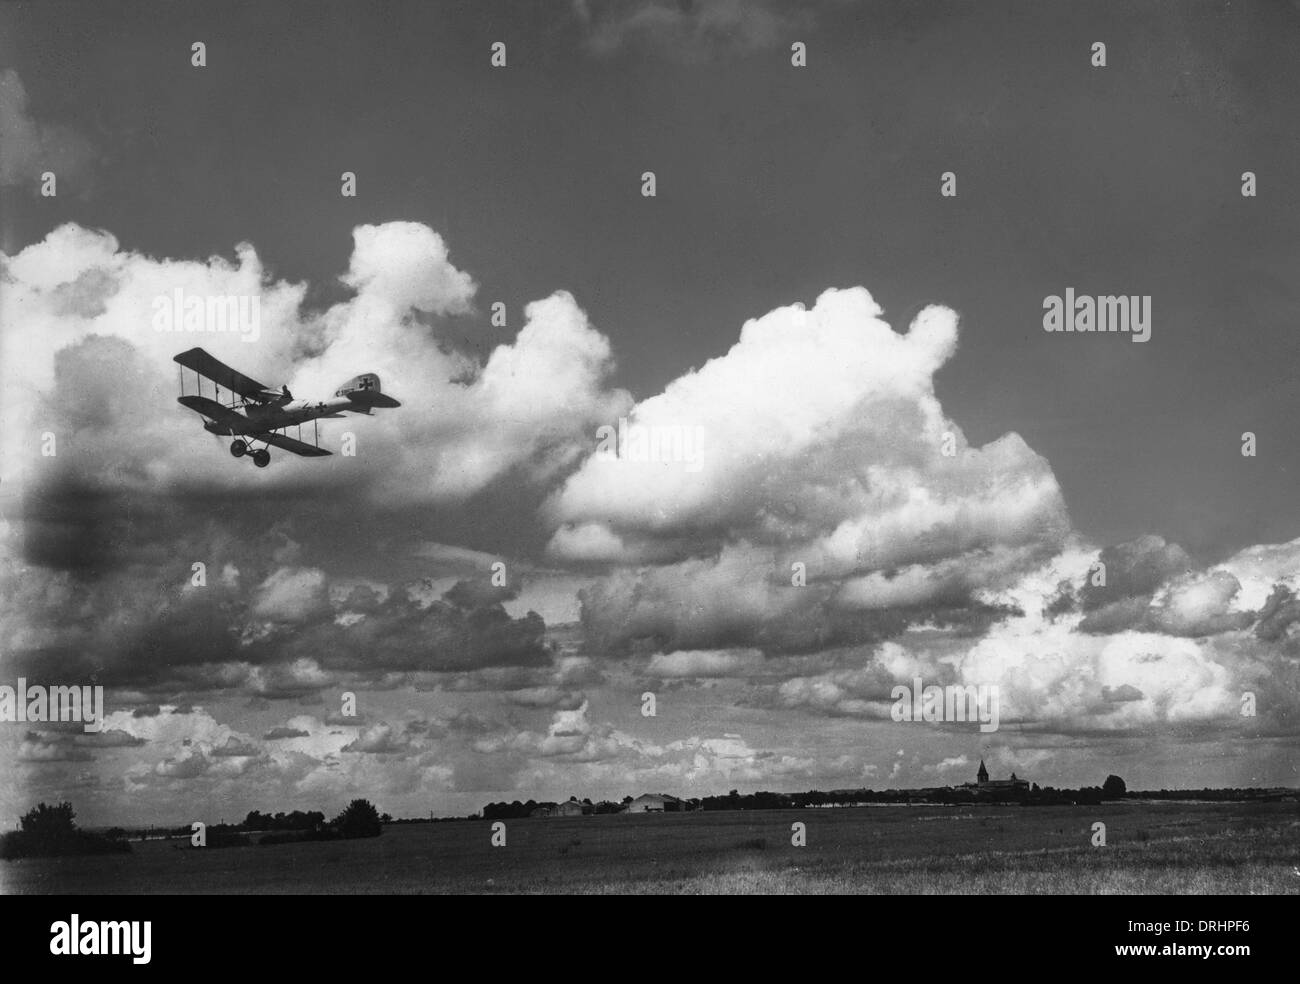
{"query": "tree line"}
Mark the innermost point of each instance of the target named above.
(1113, 788)
(51, 831)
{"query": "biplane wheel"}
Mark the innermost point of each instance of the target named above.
(261, 457)
(238, 448)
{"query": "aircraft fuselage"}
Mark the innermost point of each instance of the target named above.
(266, 417)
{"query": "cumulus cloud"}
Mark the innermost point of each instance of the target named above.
(836, 534)
(378, 739)
(687, 29)
(292, 595)
(41, 747)
(190, 764)
(82, 360)
(234, 748)
(407, 264)
(1261, 570)
(825, 447)
(704, 663)
(1181, 660)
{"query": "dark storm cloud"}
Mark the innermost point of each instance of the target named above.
(645, 611)
(1133, 572)
(1134, 569)
(1279, 620)
(1150, 586)
(336, 719)
(39, 747)
(276, 734)
(640, 613)
(552, 698)
(464, 630)
(112, 576)
(142, 622)
(111, 738)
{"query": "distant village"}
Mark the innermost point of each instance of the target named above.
(983, 789)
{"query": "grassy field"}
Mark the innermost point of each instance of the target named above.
(1151, 848)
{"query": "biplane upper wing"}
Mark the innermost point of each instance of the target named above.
(297, 447)
(212, 410)
(220, 373)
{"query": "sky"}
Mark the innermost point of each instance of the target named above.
(862, 357)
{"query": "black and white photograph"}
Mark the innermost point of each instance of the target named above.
(623, 447)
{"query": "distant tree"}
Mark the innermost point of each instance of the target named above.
(49, 822)
(627, 799)
(1113, 788)
(50, 831)
(360, 819)
(386, 818)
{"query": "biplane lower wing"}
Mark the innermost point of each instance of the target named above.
(220, 373)
(214, 411)
(368, 398)
(296, 447)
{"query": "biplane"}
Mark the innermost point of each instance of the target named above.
(256, 413)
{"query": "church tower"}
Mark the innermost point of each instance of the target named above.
(983, 775)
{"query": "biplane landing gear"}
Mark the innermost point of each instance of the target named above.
(261, 457)
(238, 448)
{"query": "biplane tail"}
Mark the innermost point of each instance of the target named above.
(365, 394)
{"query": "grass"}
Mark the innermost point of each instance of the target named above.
(1152, 848)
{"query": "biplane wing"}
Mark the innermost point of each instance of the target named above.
(364, 399)
(220, 373)
(213, 410)
(289, 444)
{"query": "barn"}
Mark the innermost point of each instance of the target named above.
(656, 803)
(569, 808)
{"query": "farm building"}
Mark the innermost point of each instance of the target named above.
(569, 808)
(656, 803)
